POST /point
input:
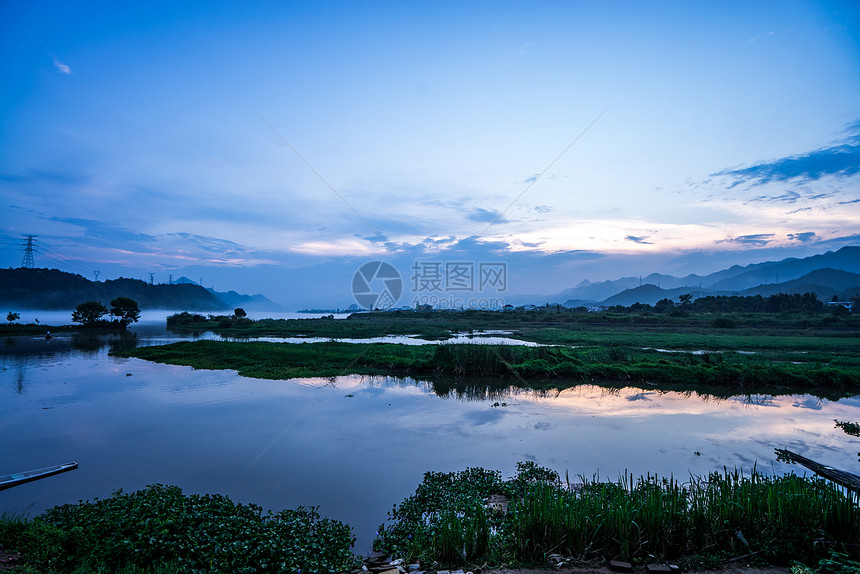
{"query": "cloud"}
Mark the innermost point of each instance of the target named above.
(482, 215)
(808, 403)
(787, 197)
(757, 239)
(839, 160)
(792, 196)
(531, 179)
(802, 237)
(61, 67)
(638, 239)
(211, 244)
(837, 242)
(105, 232)
(65, 175)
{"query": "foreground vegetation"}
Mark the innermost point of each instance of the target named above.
(159, 529)
(703, 521)
(525, 366)
(456, 519)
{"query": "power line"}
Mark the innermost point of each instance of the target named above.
(61, 264)
(62, 260)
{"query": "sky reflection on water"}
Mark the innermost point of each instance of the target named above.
(281, 444)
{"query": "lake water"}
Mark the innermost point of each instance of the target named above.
(356, 445)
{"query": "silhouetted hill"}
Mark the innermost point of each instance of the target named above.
(727, 281)
(823, 282)
(53, 289)
(648, 294)
(845, 259)
(592, 292)
(233, 299)
(247, 302)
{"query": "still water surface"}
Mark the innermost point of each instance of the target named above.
(280, 444)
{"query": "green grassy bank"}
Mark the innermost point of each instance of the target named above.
(524, 366)
(718, 331)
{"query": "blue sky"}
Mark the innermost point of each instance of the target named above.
(276, 146)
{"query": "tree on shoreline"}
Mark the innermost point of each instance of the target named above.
(89, 313)
(12, 317)
(125, 310)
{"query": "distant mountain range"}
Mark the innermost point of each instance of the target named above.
(53, 289)
(832, 273)
(233, 299)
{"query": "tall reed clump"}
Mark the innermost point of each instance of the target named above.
(774, 519)
(445, 520)
(619, 519)
(779, 516)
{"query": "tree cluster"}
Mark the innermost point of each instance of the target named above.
(123, 312)
(779, 303)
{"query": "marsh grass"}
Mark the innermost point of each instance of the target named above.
(520, 364)
(775, 519)
(799, 331)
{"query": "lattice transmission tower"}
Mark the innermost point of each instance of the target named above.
(28, 262)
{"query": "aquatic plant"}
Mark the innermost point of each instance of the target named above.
(161, 528)
(772, 519)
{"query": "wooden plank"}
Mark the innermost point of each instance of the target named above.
(841, 477)
(10, 480)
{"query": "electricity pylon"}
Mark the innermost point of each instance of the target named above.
(28, 262)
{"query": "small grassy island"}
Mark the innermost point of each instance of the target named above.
(782, 350)
(531, 367)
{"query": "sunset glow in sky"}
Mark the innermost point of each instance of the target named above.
(275, 146)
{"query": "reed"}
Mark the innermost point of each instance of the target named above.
(773, 519)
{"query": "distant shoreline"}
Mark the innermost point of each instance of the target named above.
(11, 329)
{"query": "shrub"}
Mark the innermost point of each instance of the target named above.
(723, 323)
(159, 527)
